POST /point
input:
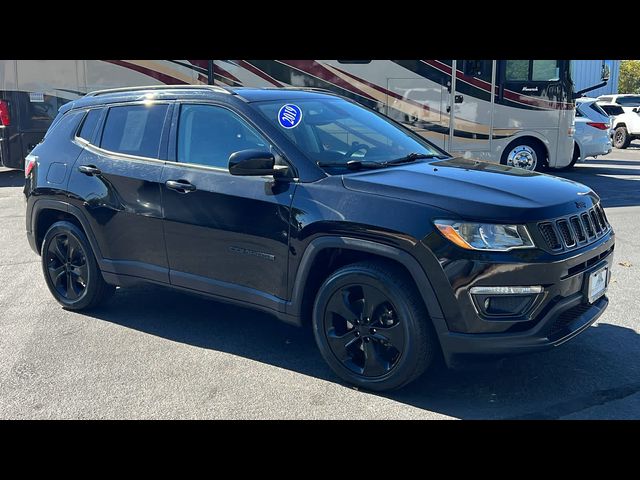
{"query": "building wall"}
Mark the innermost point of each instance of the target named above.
(588, 72)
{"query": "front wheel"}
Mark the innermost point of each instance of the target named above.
(526, 153)
(70, 268)
(621, 137)
(372, 327)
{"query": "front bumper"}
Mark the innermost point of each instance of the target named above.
(568, 318)
(558, 314)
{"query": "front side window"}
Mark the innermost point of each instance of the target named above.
(336, 130)
(208, 135)
(134, 129)
(532, 70)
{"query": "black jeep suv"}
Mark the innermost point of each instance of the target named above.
(316, 209)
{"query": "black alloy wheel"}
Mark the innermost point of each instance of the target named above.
(364, 330)
(67, 266)
(70, 268)
(372, 327)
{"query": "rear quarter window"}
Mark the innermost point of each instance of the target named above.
(134, 129)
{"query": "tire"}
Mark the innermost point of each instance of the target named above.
(574, 159)
(77, 265)
(525, 148)
(359, 351)
(621, 138)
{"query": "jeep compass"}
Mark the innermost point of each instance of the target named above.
(320, 211)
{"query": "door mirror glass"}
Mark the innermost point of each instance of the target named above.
(253, 163)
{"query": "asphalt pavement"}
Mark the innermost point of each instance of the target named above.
(155, 353)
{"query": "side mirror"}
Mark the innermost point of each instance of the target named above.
(637, 110)
(254, 163)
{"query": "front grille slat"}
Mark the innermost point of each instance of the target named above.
(578, 230)
(549, 235)
(587, 225)
(570, 232)
(565, 232)
(596, 223)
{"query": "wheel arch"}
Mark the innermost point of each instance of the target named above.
(311, 274)
(542, 141)
(46, 212)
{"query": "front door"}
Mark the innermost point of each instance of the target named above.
(225, 235)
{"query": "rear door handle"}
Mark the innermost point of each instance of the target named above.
(180, 186)
(90, 170)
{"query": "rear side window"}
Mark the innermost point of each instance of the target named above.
(613, 110)
(134, 130)
(596, 108)
(579, 113)
(89, 124)
(630, 101)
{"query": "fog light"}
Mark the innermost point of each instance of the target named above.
(505, 301)
(506, 290)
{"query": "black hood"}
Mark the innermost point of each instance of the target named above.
(477, 190)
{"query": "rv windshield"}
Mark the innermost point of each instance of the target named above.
(335, 131)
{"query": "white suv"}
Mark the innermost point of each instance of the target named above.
(626, 123)
(628, 101)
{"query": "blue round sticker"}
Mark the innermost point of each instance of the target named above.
(289, 116)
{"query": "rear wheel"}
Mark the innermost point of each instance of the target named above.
(70, 268)
(574, 159)
(371, 326)
(621, 137)
(525, 153)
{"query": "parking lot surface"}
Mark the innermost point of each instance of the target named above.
(155, 353)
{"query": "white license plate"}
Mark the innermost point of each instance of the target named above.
(597, 284)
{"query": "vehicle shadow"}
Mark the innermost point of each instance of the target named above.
(11, 178)
(616, 186)
(533, 386)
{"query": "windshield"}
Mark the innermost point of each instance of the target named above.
(612, 110)
(333, 130)
(630, 101)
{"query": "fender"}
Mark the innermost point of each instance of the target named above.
(294, 307)
(48, 204)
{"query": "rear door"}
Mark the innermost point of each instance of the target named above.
(116, 181)
(226, 235)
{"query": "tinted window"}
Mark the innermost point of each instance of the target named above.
(89, 124)
(134, 130)
(613, 109)
(596, 108)
(545, 71)
(476, 68)
(578, 113)
(208, 135)
(336, 130)
(631, 101)
(517, 70)
(532, 70)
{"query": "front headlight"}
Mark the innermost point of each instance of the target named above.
(485, 236)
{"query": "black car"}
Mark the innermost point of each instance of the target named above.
(320, 211)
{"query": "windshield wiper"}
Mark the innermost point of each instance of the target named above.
(360, 164)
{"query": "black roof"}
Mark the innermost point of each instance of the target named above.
(170, 92)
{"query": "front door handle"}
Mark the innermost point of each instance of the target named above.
(90, 170)
(180, 186)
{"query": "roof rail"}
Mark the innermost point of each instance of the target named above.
(214, 88)
(313, 89)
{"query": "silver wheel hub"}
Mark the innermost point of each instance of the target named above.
(523, 156)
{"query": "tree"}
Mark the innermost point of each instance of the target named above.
(629, 81)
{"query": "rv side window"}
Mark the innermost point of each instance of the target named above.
(476, 68)
(532, 71)
(134, 130)
(517, 70)
(89, 125)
